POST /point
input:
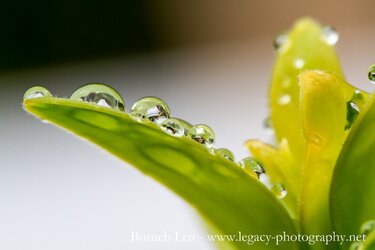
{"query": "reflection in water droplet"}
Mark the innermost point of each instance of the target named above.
(251, 166)
(299, 63)
(36, 92)
(226, 153)
(351, 114)
(172, 126)
(279, 41)
(284, 99)
(368, 227)
(371, 73)
(152, 108)
(356, 246)
(203, 134)
(186, 125)
(279, 190)
(99, 94)
(330, 35)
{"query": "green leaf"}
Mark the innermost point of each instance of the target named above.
(304, 49)
(353, 186)
(324, 110)
(228, 198)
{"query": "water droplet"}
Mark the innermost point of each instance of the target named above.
(351, 114)
(330, 35)
(279, 41)
(152, 108)
(36, 92)
(203, 134)
(357, 96)
(186, 125)
(356, 246)
(299, 63)
(172, 126)
(99, 94)
(368, 227)
(267, 123)
(284, 99)
(279, 190)
(371, 73)
(251, 166)
(226, 153)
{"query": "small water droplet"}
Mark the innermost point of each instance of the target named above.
(172, 126)
(251, 166)
(267, 123)
(357, 96)
(330, 35)
(351, 114)
(203, 134)
(371, 73)
(368, 227)
(152, 108)
(226, 153)
(279, 41)
(279, 190)
(284, 99)
(99, 94)
(36, 92)
(356, 246)
(299, 63)
(186, 125)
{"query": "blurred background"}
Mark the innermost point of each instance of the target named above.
(209, 60)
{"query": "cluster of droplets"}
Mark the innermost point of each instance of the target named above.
(254, 168)
(366, 229)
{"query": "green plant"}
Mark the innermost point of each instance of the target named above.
(319, 178)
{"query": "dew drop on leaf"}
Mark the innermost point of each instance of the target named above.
(152, 108)
(371, 73)
(351, 114)
(330, 35)
(299, 63)
(368, 227)
(186, 125)
(226, 153)
(279, 41)
(172, 126)
(36, 92)
(252, 166)
(284, 99)
(203, 134)
(101, 95)
(279, 190)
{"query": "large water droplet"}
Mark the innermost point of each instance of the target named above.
(299, 63)
(279, 190)
(371, 73)
(279, 41)
(203, 134)
(356, 246)
(368, 227)
(330, 35)
(351, 114)
(99, 94)
(226, 153)
(152, 108)
(172, 126)
(36, 92)
(186, 125)
(252, 166)
(284, 99)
